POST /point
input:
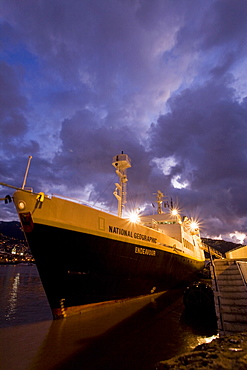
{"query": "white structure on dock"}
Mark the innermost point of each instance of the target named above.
(238, 253)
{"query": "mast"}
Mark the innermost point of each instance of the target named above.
(26, 173)
(159, 200)
(121, 162)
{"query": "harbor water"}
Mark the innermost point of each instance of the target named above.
(134, 334)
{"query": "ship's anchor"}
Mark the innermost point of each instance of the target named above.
(40, 199)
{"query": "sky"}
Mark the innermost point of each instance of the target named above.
(164, 81)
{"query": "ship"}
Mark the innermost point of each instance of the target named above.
(88, 257)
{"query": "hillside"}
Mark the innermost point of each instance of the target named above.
(220, 245)
(13, 246)
(12, 229)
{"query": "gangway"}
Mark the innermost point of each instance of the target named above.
(229, 283)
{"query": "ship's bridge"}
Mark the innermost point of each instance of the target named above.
(164, 222)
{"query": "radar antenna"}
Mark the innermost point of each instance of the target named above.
(159, 200)
(121, 162)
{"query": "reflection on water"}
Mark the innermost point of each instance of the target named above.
(22, 297)
(130, 335)
(11, 306)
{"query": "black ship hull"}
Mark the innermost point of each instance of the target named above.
(79, 269)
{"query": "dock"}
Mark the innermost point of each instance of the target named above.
(229, 283)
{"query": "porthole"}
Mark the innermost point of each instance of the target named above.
(21, 205)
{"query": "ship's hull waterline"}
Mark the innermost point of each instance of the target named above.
(86, 257)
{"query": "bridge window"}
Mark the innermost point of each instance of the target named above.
(166, 222)
(188, 245)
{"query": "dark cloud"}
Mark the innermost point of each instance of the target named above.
(88, 147)
(163, 81)
(225, 23)
(206, 133)
(12, 102)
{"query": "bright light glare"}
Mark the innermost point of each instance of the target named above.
(174, 212)
(194, 225)
(134, 217)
